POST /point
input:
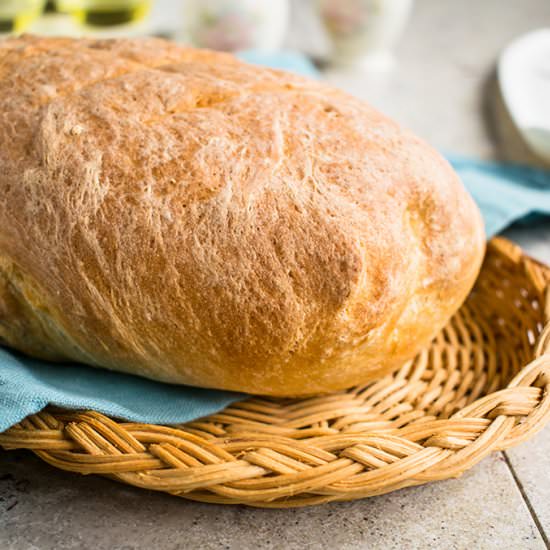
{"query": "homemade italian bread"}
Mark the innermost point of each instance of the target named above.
(181, 215)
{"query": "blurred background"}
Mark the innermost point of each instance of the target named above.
(471, 77)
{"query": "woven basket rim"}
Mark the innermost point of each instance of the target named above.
(409, 428)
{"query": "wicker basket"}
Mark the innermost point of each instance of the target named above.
(482, 386)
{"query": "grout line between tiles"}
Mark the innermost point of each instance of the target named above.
(527, 501)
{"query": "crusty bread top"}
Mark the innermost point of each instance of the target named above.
(182, 215)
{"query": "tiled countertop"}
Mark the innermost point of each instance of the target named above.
(443, 90)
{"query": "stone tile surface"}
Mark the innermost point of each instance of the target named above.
(41, 507)
(531, 465)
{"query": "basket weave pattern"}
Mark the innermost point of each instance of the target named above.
(482, 386)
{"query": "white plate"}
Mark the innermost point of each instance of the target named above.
(524, 78)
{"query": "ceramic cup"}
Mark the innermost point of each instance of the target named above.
(363, 32)
(231, 25)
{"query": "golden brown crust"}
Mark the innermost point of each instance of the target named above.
(181, 215)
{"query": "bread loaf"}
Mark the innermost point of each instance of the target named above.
(181, 215)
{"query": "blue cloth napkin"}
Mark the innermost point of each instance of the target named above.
(283, 60)
(505, 194)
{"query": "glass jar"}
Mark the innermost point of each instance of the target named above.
(106, 18)
(16, 16)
